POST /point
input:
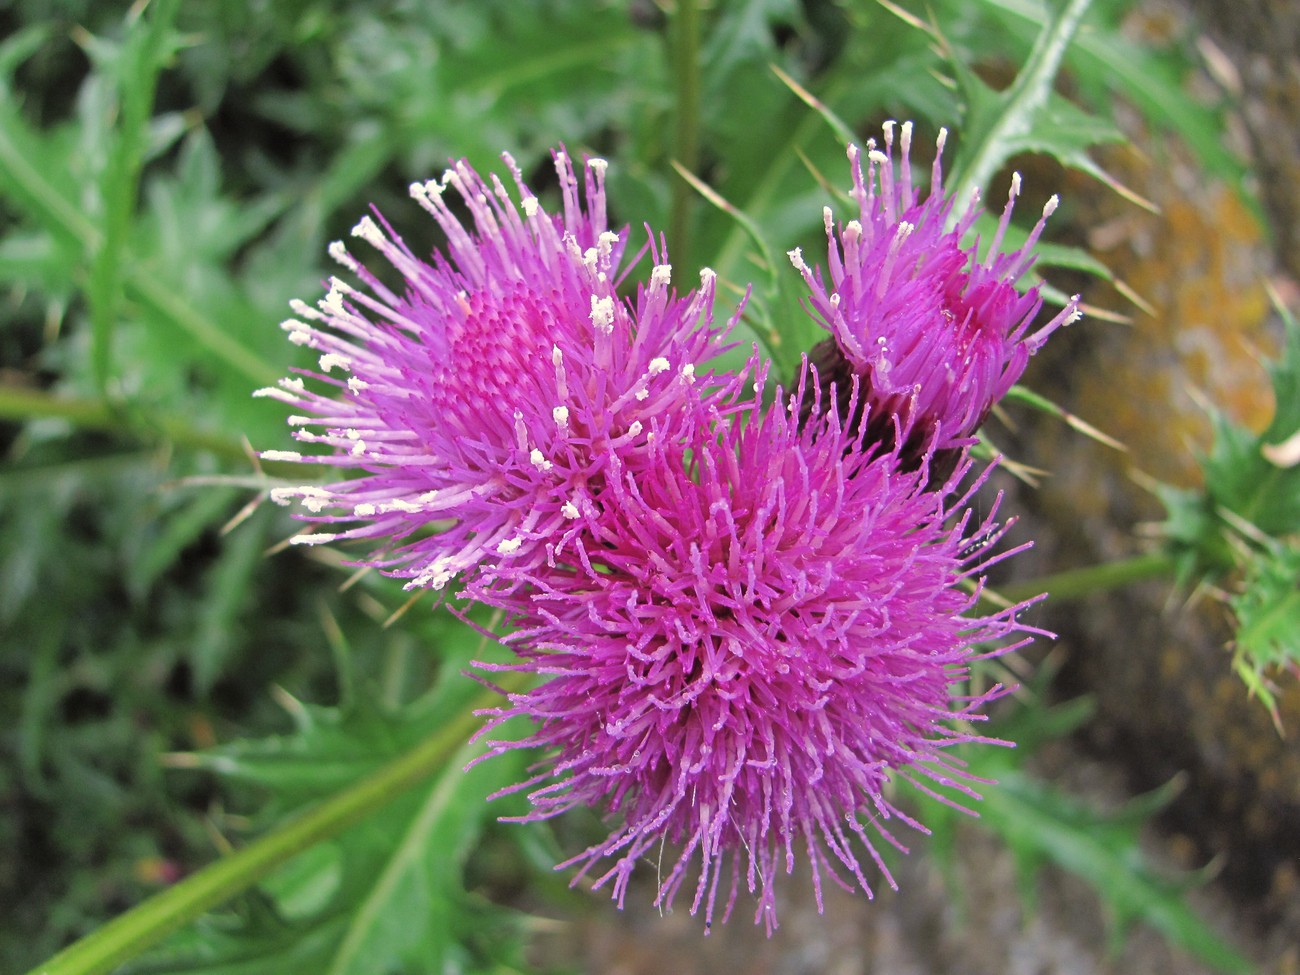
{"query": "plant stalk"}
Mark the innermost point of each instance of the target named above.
(684, 38)
(1077, 583)
(142, 927)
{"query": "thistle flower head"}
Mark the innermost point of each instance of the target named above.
(481, 402)
(768, 625)
(935, 332)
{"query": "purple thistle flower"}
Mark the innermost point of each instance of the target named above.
(767, 626)
(486, 399)
(936, 333)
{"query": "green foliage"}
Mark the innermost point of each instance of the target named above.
(169, 177)
(386, 895)
(1240, 528)
(1042, 823)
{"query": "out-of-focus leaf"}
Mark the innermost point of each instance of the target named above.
(1041, 824)
(386, 894)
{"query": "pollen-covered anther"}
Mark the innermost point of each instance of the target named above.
(332, 360)
(365, 510)
(313, 538)
(561, 416)
(274, 392)
(368, 231)
(289, 456)
(339, 252)
(570, 510)
(304, 310)
(796, 258)
(358, 448)
(357, 385)
(510, 546)
(538, 460)
(597, 165)
(661, 276)
(333, 303)
(1050, 206)
(688, 373)
(602, 313)
(657, 366)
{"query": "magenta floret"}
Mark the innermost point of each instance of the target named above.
(935, 333)
(766, 627)
(482, 402)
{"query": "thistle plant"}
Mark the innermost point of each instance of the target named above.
(669, 552)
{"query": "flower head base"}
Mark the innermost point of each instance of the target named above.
(936, 333)
(766, 626)
(483, 403)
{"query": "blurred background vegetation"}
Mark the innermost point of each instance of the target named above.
(170, 176)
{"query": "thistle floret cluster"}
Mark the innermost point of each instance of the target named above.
(744, 618)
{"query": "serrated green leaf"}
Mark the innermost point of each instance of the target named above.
(1153, 80)
(997, 125)
(1041, 822)
(387, 894)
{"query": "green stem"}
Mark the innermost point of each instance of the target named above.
(17, 403)
(685, 40)
(1021, 103)
(140, 928)
(1077, 583)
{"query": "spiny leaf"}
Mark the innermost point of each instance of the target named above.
(1040, 822)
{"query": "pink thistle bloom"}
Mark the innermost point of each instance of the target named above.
(481, 405)
(936, 333)
(768, 625)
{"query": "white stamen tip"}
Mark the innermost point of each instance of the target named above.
(598, 166)
(661, 276)
(368, 231)
(707, 276)
(1015, 186)
(510, 546)
(570, 510)
(1050, 206)
(292, 456)
(356, 385)
(602, 313)
(561, 416)
(316, 538)
(796, 258)
(364, 510)
(657, 366)
(688, 373)
(536, 458)
(338, 250)
(529, 203)
(331, 359)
